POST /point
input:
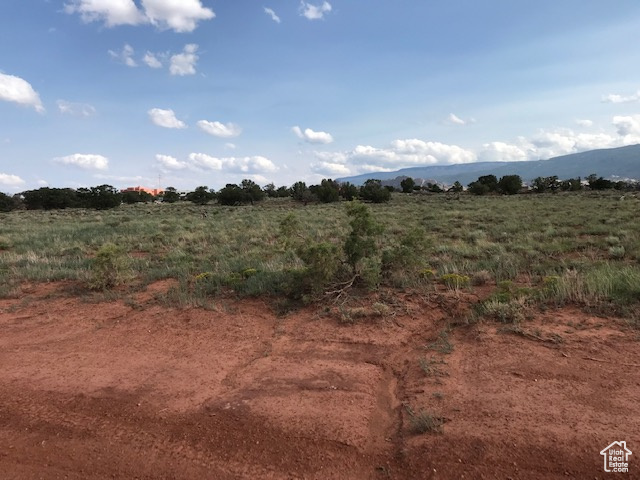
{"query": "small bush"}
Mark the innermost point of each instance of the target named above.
(455, 281)
(512, 311)
(109, 268)
(424, 422)
(616, 252)
(481, 277)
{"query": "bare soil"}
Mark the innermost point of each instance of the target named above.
(132, 389)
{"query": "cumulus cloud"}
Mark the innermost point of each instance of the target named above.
(9, 180)
(180, 16)
(628, 127)
(314, 12)
(546, 144)
(615, 98)
(111, 12)
(503, 152)
(17, 90)
(165, 118)
(151, 60)
(84, 161)
(75, 109)
(218, 129)
(330, 169)
(401, 153)
(201, 162)
(310, 136)
(272, 14)
(125, 55)
(184, 63)
(170, 163)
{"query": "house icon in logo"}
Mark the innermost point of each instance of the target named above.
(616, 457)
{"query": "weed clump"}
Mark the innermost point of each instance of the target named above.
(424, 422)
(109, 268)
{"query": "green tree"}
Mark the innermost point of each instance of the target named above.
(170, 195)
(510, 184)
(46, 198)
(327, 192)
(130, 197)
(349, 191)
(546, 184)
(301, 193)
(104, 197)
(252, 191)
(231, 195)
(456, 187)
(270, 190)
(571, 185)
(283, 192)
(484, 185)
(373, 191)
(7, 203)
(407, 185)
(599, 183)
(201, 195)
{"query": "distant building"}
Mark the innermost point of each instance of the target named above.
(153, 191)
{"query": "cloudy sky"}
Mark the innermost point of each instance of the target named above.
(208, 92)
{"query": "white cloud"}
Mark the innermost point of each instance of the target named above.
(202, 162)
(151, 60)
(548, 144)
(453, 118)
(401, 153)
(314, 12)
(205, 162)
(85, 161)
(177, 15)
(170, 163)
(249, 164)
(310, 136)
(628, 127)
(272, 14)
(330, 169)
(125, 56)
(15, 89)
(165, 118)
(111, 12)
(218, 129)
(184, 63)
(615, 98)
(230, 146)
(421, 152)
(502, 152)
(584, 123)
(9, 180)
(75, 109)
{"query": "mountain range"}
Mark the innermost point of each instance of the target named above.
(620, 163)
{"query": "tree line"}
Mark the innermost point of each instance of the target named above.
(248, 192)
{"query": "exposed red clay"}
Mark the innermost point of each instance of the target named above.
(130, 389)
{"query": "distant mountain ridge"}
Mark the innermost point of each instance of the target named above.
(612, 163)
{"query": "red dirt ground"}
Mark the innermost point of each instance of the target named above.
(131, 389)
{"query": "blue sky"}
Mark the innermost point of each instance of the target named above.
(208, 92)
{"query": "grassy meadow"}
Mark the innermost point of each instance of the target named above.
(579, 248)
